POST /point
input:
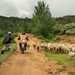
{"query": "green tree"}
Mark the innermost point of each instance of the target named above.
(42, 22)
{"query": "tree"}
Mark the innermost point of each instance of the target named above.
(42, 22)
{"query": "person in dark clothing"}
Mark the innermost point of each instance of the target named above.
(23, 46)
(7, 40)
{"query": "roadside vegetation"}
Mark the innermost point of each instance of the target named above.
(72, 73)
(63, 59)
(6, 52)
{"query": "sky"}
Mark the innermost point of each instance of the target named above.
(25, 8)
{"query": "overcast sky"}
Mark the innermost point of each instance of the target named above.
(24, 8)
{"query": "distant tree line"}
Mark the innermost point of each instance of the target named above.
(65, 19)
(14, 24)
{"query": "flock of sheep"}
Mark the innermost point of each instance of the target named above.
(60, 48)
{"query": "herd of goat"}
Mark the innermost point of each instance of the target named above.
(60, 48)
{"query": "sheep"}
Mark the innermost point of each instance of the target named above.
(72, 52)
(63, 48)
(52, 47)
(58, 47)
(43, 45)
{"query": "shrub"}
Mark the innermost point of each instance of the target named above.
(1, 34)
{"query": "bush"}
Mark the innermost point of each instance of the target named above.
(15, 34)
(1, 34)
(70, 31)
(72, 73)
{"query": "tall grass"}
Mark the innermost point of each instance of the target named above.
(7, 53)
(63, 59)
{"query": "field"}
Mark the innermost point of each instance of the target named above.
(63, 59)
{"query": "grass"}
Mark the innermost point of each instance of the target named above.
(7, 53)
(50, 38)
(4, 56)
(72, 73)
(62, 59)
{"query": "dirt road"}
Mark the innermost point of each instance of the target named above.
(30, 63)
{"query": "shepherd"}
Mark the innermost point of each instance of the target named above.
(7, 40)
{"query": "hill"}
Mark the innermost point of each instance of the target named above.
(65, 19)
(13, 24)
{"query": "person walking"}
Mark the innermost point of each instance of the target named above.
(7, 40)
